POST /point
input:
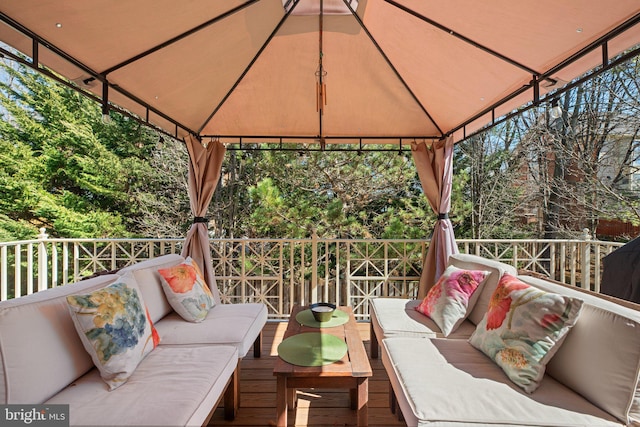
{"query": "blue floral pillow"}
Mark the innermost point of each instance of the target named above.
(523, 328)
(114, 327)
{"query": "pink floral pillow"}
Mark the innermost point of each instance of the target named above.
(187, 291)
(452, 298)
(523, 328)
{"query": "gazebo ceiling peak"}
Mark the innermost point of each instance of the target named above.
(319, 71)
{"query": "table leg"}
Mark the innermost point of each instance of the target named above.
(292, 397)
(353, 398)
(363, 402)
(281, 401)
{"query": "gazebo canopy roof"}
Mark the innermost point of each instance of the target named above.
(395, 69)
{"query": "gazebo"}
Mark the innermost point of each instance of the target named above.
(413, 73)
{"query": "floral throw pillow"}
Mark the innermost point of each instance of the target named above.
(115, 328)
(187, 291)
(523, 328)
(451, 299)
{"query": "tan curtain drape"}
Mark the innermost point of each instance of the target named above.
(205, 164)
(435, 170)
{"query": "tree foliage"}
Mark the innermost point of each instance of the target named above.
(531, 176)
(330, 193)
(63, 169)
(584, 161)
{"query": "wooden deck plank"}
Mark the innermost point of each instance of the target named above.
(323, 407)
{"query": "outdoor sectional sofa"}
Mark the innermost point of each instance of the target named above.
(179, 382)
(591, 380)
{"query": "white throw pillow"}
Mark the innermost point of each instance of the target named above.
(187, 291)
(451, 299)
(523, 328)
(114, 327)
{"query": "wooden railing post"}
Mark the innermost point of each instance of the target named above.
(43, 268)
(585, 271)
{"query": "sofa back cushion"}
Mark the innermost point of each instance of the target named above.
(40, 350)
(600, 357)
(496, 270)
(150, 283)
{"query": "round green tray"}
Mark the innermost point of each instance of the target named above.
(312, 349)
(305, 318)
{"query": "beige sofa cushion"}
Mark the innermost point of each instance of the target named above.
(605, 343)
(150, 282)
(237, 325)
(32, 371)
(172, 386)
(496, 268)
(447, 382)
(392, 317)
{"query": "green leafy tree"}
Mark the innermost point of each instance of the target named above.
(330, 193)
(62, 168)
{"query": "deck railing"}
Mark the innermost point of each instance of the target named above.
(283, 272)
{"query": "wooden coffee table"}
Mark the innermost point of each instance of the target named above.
(351, 372)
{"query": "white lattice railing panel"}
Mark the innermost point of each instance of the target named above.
(284, 272)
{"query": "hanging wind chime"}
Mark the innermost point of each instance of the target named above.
(321, 74)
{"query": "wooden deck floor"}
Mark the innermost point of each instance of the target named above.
(315, 407)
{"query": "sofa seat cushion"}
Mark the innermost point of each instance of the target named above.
(233, 324)
(449, 382)
(392, 317)
(172, 386)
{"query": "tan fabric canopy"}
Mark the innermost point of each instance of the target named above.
(247, 68)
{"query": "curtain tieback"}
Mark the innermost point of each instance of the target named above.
(443, 216)
(202, 219)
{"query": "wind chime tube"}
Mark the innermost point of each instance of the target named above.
(321, 97)
(324, 93)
